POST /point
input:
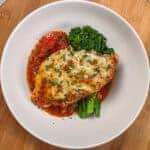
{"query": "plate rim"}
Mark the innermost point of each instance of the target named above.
(5, 93)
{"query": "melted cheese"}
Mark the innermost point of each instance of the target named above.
(70, 75)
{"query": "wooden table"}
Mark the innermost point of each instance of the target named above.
(14, 137)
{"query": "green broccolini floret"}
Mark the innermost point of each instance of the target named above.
(89, 106)
(88, 38)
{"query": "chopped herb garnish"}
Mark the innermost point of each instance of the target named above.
(52, 59)
(97, 69)
(73, 82)
(80, 74)
(92, 62)
(85, 56)
(69, 66)
(89, 61)
(67, 82)
(61, 81)
(53, 83)
(69, 48)
(78, 90)
(68, 69)
(64, 57)
(65, 96)
(72, 53)
(108, 67)
(72, 65)
(47, 67)
(58, 71)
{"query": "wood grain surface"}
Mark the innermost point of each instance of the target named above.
(14, 137)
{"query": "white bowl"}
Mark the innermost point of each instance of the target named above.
(129, 89)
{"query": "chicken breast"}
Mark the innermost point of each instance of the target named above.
(68, 76)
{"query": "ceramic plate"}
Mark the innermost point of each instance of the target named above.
(129, 89)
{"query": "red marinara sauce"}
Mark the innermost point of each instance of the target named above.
(48, 44)
(102, 94)
(61, 111)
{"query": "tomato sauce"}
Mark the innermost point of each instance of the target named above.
(60, 111)
(47, 45)
(104, 91)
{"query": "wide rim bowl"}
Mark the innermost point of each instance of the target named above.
(6, 50)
